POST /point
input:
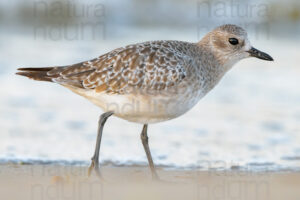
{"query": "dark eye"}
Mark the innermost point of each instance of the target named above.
(233, 41)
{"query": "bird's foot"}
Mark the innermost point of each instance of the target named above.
(94, 167)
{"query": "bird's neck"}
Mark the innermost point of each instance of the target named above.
(217, 61)
(209, 64)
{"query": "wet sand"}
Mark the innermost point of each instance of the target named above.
(71, 182)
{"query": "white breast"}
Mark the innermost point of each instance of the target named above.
(143, 108)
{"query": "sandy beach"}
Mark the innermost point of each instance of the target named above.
(71, 182)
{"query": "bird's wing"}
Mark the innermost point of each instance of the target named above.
(150, 66)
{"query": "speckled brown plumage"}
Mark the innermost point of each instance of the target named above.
(156, 65)
(164, 79)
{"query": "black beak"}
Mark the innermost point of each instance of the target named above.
(259, 54)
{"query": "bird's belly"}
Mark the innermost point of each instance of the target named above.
(144, 108)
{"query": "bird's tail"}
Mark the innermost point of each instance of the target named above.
(39, 74)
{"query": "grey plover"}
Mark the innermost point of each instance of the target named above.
(153, 81)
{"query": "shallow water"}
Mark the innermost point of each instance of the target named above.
(249, 121)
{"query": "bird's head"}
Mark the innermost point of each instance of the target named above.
(229, 44)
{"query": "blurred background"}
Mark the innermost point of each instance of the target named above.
(250, 120)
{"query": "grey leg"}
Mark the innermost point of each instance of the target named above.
(95, 159)
(144, 138)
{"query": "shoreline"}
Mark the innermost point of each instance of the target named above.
(205, 165)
